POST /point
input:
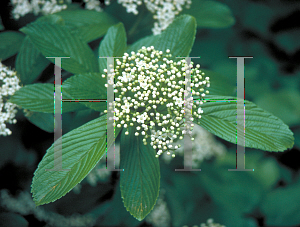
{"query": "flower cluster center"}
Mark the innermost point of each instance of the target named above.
(154, 95)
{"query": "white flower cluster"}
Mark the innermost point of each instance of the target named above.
(150, 96)
(209, 223)
(205, 146)
(24, 205)
(160, 215)
(94, 4)
(9, 84)
(23, 7)
(164, 10)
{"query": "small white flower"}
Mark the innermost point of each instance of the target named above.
(148, 88)
(9, 83)
(23, 7)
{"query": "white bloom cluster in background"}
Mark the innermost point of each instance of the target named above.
(95, 4)
(9, 84)
(204, 146)
(150, 95)
(23, 7)
(164, 10)
(24, 205)
(209, 223)
(98, 174)
(160, 215)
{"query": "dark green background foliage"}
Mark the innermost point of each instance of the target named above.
(267, 30)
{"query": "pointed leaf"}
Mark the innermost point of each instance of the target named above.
(30, 62)
(44, 121)
(40, 98)
(140, 180)
(88, 25)
(54, 40)
(81, 151)
(88, 86)
(113, 44)
(178, 37)
(263, 130)
(280, 207)
(10, 43)
(211, 14)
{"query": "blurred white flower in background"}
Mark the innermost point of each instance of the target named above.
(204, 146)
(23, 7)
(209, 223)
(24, 205)
(160, 215)
(94, 4)
(164, 10)
(9, 84)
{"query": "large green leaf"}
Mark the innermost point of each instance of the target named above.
(87, 86)
(178, 37)
(87, 25)
(82, 149)
(211, 14)
(239, 193)
(40, 98)
(113, 44)
(281, 206)
(30, 62)
(10, 43)
(287, 100)
(54, 40)
(140, 180)
(44, 121)
(263, 130)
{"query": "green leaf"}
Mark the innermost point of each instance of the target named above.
(287, 100)
(40, 98)
(263, 130)
(146, 41)
(281, 206)
(242, 194)
(88, 25)
(140, 180)
(52, 19)
(44, 121)
(113, 44)
(88, 86)
(30, 62)
(11, 219)
(54, 40)
(82, 149)
(211, 14)
(178, 37)
(10, 43)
